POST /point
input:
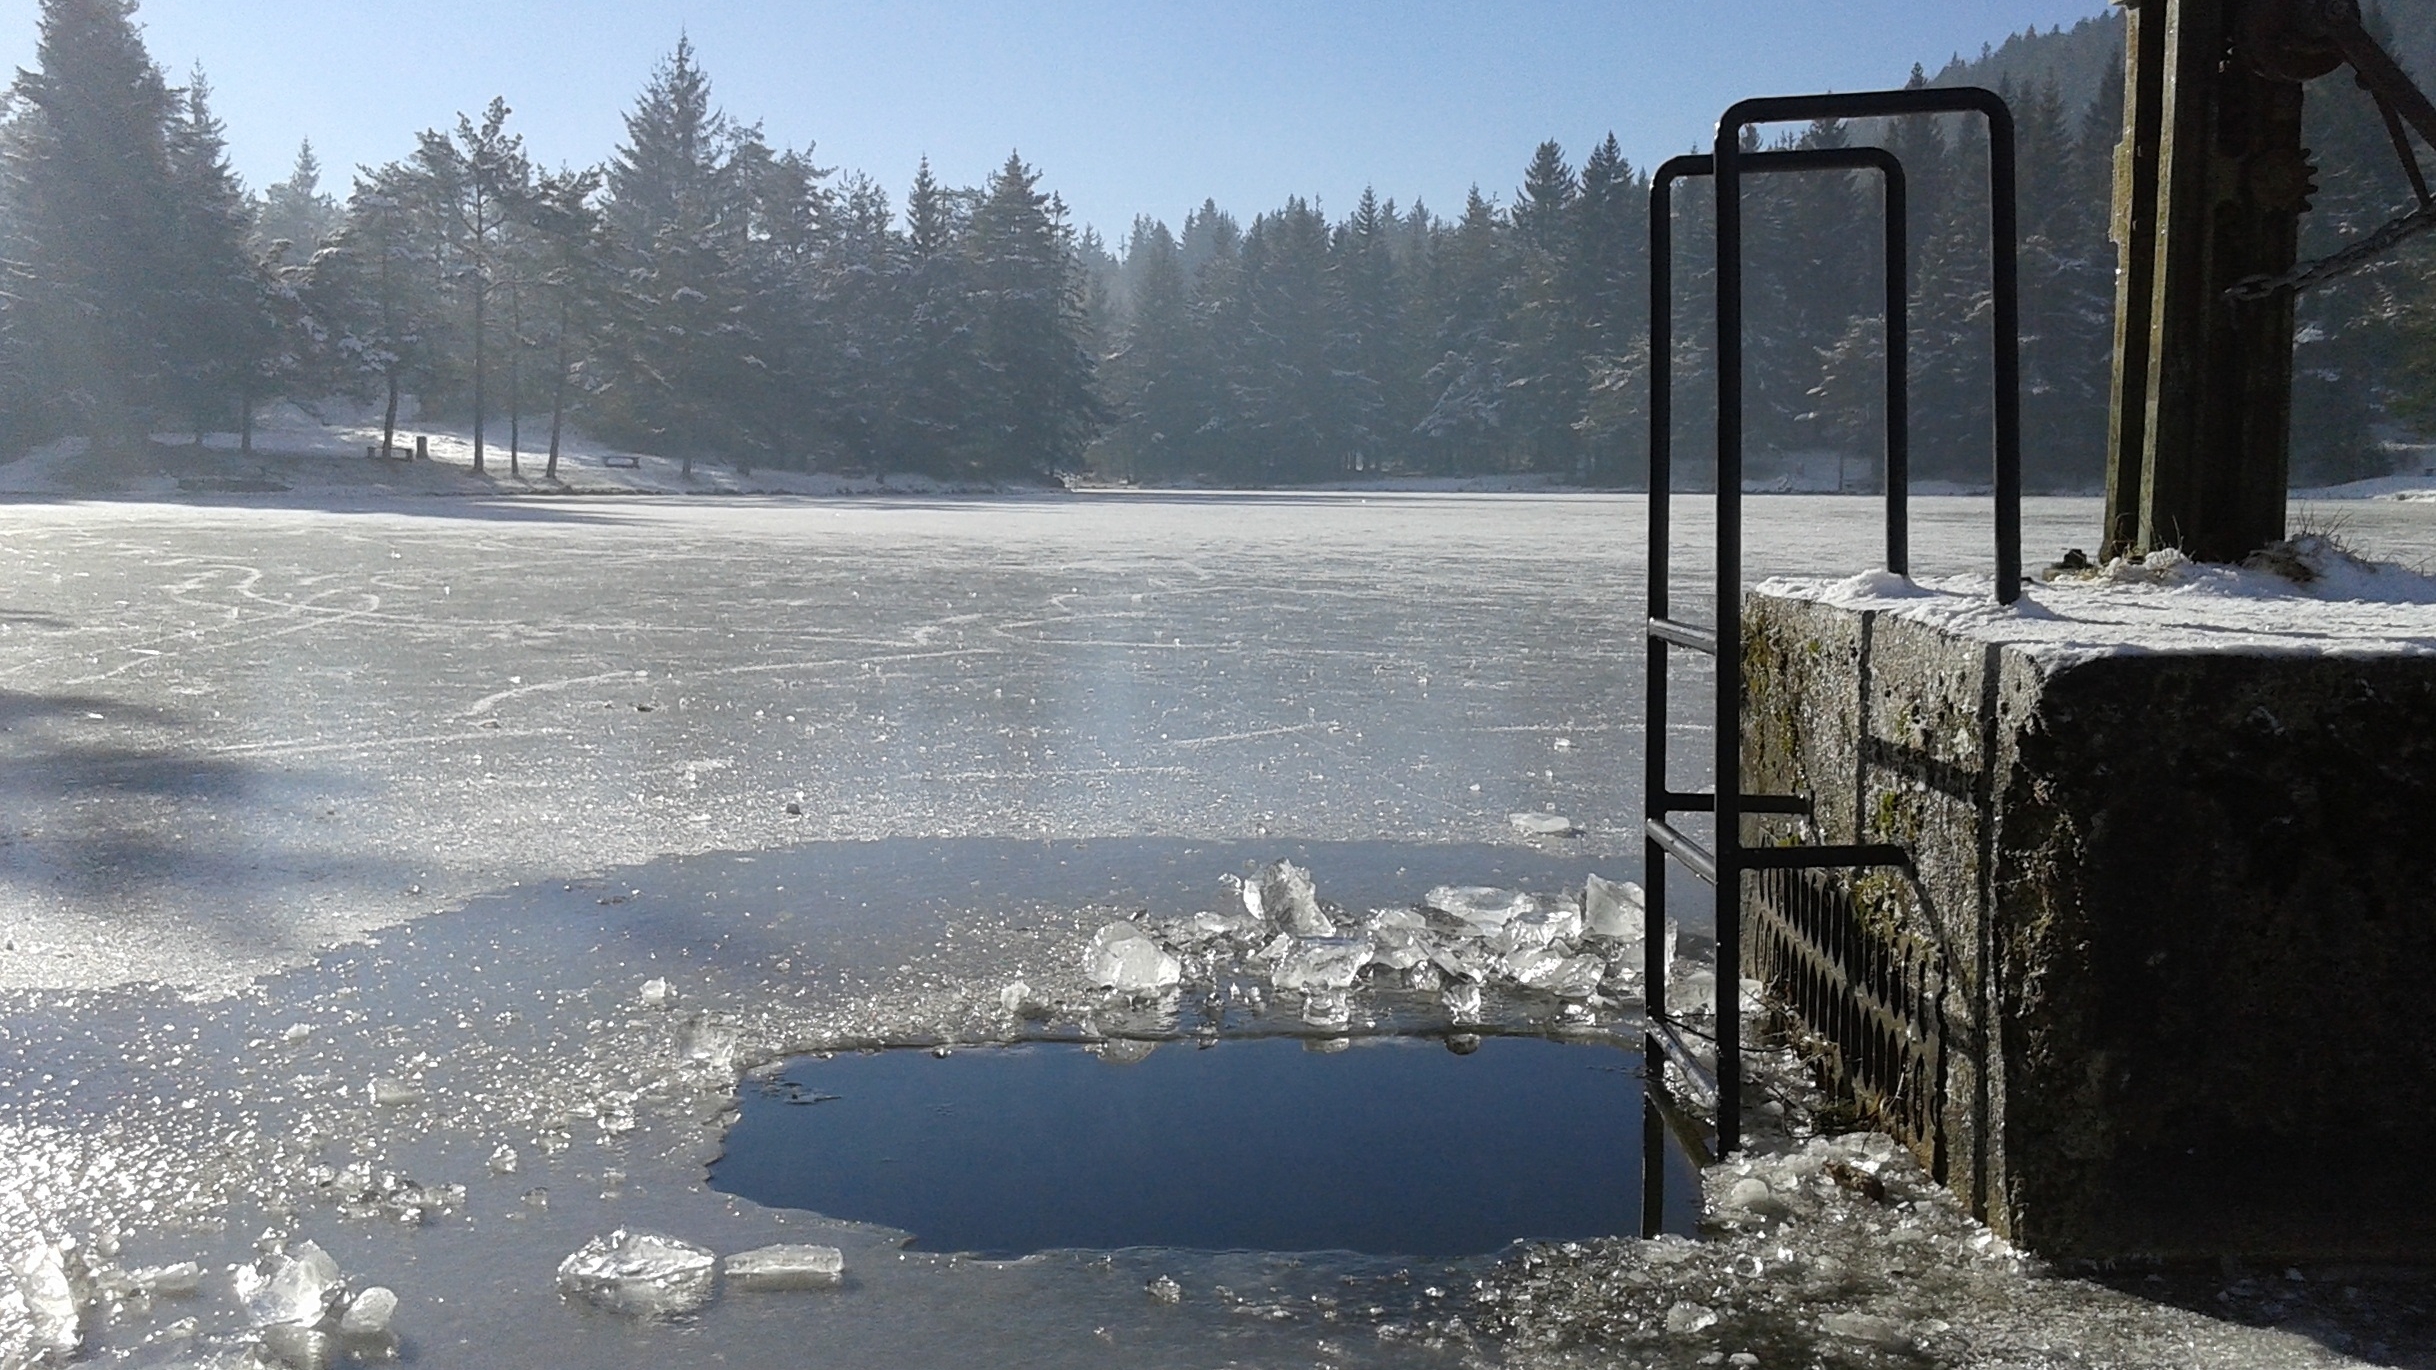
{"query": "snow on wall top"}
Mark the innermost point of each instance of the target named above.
(2304, 597)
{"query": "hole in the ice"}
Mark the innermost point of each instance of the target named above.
(1391, 1146)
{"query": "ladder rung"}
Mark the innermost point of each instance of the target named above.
(1818, 858)
(1751, 803)
(1683, 849)
(1684, 635)
(1662, 1031)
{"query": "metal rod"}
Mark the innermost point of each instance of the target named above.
(1683, 635)
(1695, 858)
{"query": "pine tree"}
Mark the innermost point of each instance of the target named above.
(470, 188)
(223, 331)
(680, 201)
(370, 292)
(1042, 406)
(1464, 425)
(296, 211)
(94, 221)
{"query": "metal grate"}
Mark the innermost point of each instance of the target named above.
(1864, 1008)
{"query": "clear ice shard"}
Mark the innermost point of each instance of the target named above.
(1324, 963)
(390, 1092)
(51, 1311)
(169, 1281)
(298, 1348)
(1123, 957)
(657, 993)
(369, 1314)
(1612, 908)
(1480, 909)
(1286, 898)
(291, 1288)
(786, 1267)
(641, 1274)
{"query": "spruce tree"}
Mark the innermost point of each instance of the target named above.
(94, 226)
(296, 211)
(1042, 406)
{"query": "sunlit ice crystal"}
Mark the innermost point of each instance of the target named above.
(1324, 963)
(1287, 898)
(46, 1299)
(1123, 957)
(369, 1314)
(786, 1266)
(641, 1274)
(1480, 909)
(1613, 908)
(295, 1287)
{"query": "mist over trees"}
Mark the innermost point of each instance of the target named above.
(709, 297)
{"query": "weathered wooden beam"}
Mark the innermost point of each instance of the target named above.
(2210, 188)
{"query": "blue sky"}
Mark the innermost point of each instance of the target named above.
(1127, 105)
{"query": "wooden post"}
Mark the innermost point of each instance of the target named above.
(2210, 183)
(422, 447)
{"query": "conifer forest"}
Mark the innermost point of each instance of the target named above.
(706, 296)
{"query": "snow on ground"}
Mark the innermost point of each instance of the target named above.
(2305, 597)
(296, 452)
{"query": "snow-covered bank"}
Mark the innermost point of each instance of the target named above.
(298, 454)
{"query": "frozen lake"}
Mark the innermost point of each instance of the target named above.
(292, 800)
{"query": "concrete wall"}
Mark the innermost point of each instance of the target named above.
(2187, 905)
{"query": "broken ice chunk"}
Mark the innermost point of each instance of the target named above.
(503, 1160)
(1479, 909)
(641, 1274)
(169, 1281)
(1462, 1002)
(1867, 1327)
(1324, 963)
(658, 994)
(1013, 995)
(1542, 927)
(1613, 909)
(1286, 898)
(1164, 1289)
(53, 1318)
(786, 1267)
(1543, 824)
(390, 1092)
(296, 1032)
(1577, 978)
(1122, 957)
(368, 1315)
(291, 1288)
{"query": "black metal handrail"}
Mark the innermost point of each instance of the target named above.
(1728, 860)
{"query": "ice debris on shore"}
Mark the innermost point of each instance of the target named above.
(1581, 947)
(640, 1274)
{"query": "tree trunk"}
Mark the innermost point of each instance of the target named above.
(515, 381)
(389, 418)
(558, 392)
(245, 422)
(479, 396)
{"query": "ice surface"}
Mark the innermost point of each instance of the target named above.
(641, 1274)
(300, 1348)
(369, 1312)
(296, 1286)
(786, 1266)
(1123, 957)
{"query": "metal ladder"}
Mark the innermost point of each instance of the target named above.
(1724, 864)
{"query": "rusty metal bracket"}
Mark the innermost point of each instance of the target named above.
(2297, 40)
